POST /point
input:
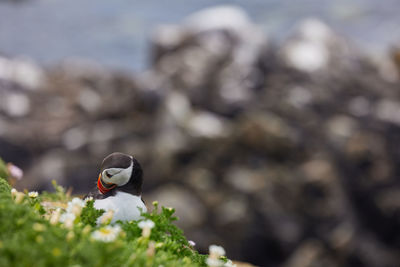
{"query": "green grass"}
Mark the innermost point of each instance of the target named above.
(28, 238)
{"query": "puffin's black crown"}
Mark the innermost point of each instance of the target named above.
(116, 160)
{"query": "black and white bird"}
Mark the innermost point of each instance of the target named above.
(119, 187)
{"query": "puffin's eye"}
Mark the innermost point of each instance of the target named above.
(108, 174)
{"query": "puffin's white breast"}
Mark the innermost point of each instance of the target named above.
(125, 206)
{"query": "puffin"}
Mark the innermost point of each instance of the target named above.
(119, 187)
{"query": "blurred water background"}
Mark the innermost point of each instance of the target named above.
(272, 127)
(116, 34)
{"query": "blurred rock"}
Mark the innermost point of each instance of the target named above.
(189, 210)
(315, 47)
(246, 180)
(22, 71)
(309, 50)
(212, 57)
(311, 253)
(396, 57)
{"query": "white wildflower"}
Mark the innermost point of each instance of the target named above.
(214, 262)
(151, 249)
(55, 216)
(229, 263)
(77, 201)
(67, 216)
(68, 219)
(107, 217)
(19, 196)
(69, 224)
(88, 199)
(216, 251)
(192, 243)
(107, 234)
(14, 192)
(75, 206)
(146, 227)
(146, 224)
(33, 194)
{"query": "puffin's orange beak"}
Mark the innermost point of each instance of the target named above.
(103, 186)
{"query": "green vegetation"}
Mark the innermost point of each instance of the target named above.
(3, 170)
(45, 230)
(4, 186)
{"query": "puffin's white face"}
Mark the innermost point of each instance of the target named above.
(118, 176)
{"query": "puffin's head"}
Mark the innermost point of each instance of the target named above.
(120, 170)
